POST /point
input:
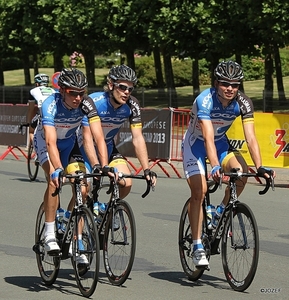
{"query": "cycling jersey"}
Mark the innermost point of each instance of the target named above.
(112, 118)
(40, 93)
(66, 121)
(208, 107)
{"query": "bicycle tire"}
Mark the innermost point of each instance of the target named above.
(240, 261)
(119, 243)
(86, 276)
(185, 246)
(32, 163)
(48, 266)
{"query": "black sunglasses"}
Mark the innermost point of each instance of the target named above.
(75, 93)
(227, 84)
(124, 87)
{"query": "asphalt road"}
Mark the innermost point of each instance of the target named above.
(157, 272)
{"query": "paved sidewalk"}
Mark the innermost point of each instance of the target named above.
(162, 168)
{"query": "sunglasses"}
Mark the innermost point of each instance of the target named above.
(75, 93)
(124, 87)
(227, 84)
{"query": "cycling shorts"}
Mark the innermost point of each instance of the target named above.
(194, 154)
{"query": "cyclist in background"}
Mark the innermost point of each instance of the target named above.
(36, 96)
(54, 142)
(114, 106)
(212, 113)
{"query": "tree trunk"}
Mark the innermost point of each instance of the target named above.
(195, 78)
(268, 90)
(172, 94)
(213, 64)
(239, 61)
(35, 64)
(1, 73)
(159, 72)
(26, 67)
(89, 66)
(58, 63)
(279, 78)
(130, 57)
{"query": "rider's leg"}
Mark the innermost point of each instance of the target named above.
(234, 160)
(125, 184)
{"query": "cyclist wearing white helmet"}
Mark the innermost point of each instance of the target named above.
(54, 141)
(212, 114)
(114, 106)
(36, 96)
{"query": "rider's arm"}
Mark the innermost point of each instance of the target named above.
(209, 141)
(140, 146)
(50, 139)
(88, 145)
(97, 133)
(252, 143)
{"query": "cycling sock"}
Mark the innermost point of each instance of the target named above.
(197, 244)
(49, 229)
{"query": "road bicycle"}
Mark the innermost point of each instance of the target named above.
(237, 232)
(32, 161)
(117, 229)
(82, 222)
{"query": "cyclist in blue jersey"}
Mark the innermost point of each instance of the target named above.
(212, 113)
(36, 96)
(114, 106)
(54, 142)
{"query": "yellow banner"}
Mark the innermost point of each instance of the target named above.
(272, 131)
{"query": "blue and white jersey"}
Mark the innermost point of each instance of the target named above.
(208, 107)
(66, 121)
(113, 118)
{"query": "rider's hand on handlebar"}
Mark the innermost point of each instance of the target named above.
(56, 176)
(266, 172)
(215, 173)
(151, 177)
(110, 172)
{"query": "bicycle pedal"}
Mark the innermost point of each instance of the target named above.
(204, 268)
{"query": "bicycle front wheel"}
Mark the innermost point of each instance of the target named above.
(86, 256)
(240, 248)
(119, 243)
(32, 163)
(48, 266)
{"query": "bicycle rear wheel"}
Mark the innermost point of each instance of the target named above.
(86, 275)
(32, 163)
(185, 246)
(240, 248)
(119, 243)
(48, 266)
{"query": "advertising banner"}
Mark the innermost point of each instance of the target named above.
(156, 131)
(10, 118)
(272, 131)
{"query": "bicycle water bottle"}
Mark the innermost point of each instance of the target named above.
(97, 216)
(210, 215)
(59, 217)
(217, 216)
(65, 220)
(102, 208)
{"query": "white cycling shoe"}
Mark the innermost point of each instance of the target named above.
(199, 258)
(51, 246)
